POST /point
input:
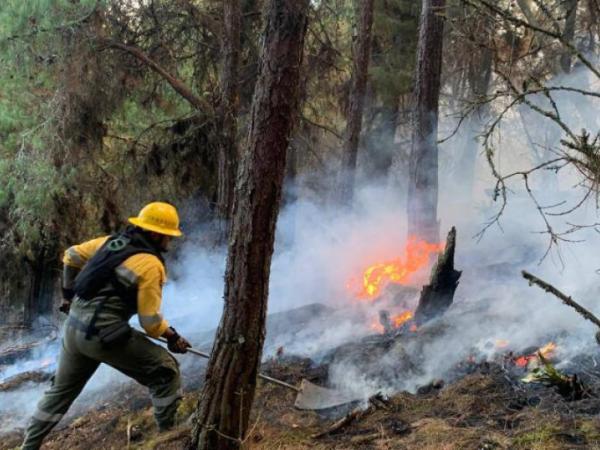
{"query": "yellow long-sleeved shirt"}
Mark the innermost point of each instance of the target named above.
(143, 270)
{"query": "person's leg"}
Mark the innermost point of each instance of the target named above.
(152, 366)
(73, 371)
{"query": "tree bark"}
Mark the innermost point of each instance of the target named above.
(222, 416)
(423, 166)
(360, 70)
(479, 75)
(569, 33)
(228, 106)
(525, 6)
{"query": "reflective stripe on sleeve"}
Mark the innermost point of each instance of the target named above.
(43, 416)
(75, 257)
(126, 276)
(148, 321)
(165, 401)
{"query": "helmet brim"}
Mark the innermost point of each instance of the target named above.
(139, 223)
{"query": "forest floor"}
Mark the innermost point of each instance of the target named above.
(484, 409)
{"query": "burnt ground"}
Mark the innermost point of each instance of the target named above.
(484, 408)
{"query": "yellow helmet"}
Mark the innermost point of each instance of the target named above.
(158, 217)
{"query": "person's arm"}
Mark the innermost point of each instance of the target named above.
(148, 273)
(74, 259)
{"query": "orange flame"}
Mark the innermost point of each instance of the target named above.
(398, 271)
(396, 322)
(399, 319)
(546, 351)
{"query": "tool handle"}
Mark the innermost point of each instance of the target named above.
(206, 355)
(279, 382)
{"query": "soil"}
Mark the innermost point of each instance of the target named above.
(484, 409)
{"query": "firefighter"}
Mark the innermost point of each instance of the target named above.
(105, 282)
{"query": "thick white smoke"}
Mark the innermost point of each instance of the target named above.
(321, 248)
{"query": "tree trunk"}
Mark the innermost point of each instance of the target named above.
(525, 6)
(42, 281)
(228, 106)
(381, 139)
(594, 13)
(423, 175)
(360, 69)
(569, 33)
(479, 77)
(223, 412)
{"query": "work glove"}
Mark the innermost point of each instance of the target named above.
(65, 306)
(176, 343)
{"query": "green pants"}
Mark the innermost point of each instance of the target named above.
(138, 358)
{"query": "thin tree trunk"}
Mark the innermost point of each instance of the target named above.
(222, 416)
(594, 13)
(480, 78)
(381, 138)
(569, 33)
(525, 6)
(229, 105)
(423, 170)
(360, 70)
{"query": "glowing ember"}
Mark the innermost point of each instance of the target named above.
(378, 276)
(546, 351)
(398, 320)
(414, 328)
(523, 361)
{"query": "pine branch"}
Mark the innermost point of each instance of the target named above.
(61, 27)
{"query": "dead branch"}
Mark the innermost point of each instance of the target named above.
(349, 418)
(565, 299)
(376, 402)
(179, 86)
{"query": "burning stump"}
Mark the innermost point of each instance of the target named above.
(437, 296)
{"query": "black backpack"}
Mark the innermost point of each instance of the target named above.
(99, 271)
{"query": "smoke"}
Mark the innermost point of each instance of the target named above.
(322, 249)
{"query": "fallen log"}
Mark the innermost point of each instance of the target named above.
(35, 376)
(437, 296)
(10, 355)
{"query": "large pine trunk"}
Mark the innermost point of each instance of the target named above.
(423, 165)
(228, 106)
(360, 70)
(223, 412)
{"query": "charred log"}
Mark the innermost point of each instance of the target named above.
(437, 296)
